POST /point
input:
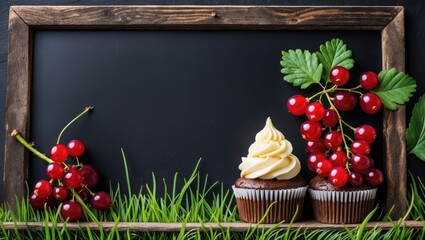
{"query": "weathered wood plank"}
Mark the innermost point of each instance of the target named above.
(17, 107)
(220, 17)
(393, 55)
(176, 227)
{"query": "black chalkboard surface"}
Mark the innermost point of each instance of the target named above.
(169, 98)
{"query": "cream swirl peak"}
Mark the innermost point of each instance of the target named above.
(270, 156)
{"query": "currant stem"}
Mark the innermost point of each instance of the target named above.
(87, 109)
(15, 133)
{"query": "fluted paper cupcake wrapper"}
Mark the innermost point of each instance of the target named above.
(338, 207)
(253, 204)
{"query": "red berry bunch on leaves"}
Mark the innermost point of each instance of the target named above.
(339, 151)
(68, 184)
(334, 153)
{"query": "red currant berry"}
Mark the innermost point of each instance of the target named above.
(331, 118)
(73, 178)
(323, 168)
(61, 193)
(333, 140)
(36, 201)
(338, 159)
(315, 111)
(297, 104)
(83, 193)
(90, 175)
(75, 148)
(339, 75)
(369, 80)
(366, 133)
(314, 159)
(360, 147)
(316, 146)
(355, 179)
(345, 101)
(360, 163)
(55, 171)
(71, 211)
(43, 188)
(101, 201)
(338, 176)
(370, 103)
(310, 130)
(374, 177)
(58, 153)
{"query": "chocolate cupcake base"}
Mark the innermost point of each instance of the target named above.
(338, 207)
(253, 204)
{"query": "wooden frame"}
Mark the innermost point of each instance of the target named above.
(23, 20)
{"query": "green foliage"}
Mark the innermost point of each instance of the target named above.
(394, 88)
(301, 68)
(334, 53)
(415, 132)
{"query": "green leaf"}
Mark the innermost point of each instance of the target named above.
(334, 53)
(394, 88)
(301, 68)
(415, 132)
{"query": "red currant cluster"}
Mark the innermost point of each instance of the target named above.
(67, 181)
(331, 156)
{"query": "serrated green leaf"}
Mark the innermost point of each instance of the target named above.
(394, 88)
(415, 132)
(334, 53)
(301, 68)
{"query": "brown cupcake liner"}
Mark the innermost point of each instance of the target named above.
(253, 204)
(336, 207)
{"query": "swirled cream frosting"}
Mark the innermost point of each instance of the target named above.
(270, 156)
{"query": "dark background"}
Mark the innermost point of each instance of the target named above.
(228, 104)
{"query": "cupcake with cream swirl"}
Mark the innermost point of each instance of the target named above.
(270, 178)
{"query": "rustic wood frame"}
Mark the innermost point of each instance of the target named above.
(23, 20)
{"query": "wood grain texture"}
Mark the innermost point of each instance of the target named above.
(176, 227)
(215, 17)
(17, 108)
(393, 55)
(23, 19)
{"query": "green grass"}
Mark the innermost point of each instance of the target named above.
(197, 200)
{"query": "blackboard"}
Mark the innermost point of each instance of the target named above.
(174, 90)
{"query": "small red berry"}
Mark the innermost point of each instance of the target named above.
(58, 153)
(345, 100)
(310, 130)
(339, 75)
(315, 146)
(355, 179)
(360, 163)
(331, 118)
(369, 80)
(370, 103)
(338, 159)
(366, 133)
(333, 140)
(73, 178)
(338, 176)
(360, 147)
(314, 159)
(297, 104)
(75, 148)
(90, 175)
(101, 201)
(43, 188)
(71, 211)
(323, 168)
(374, 177)
(315, 111)
(61, 193)
(55, 171)
(36, 201)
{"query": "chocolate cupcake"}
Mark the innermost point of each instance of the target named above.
(269, 179)
(336, 205)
